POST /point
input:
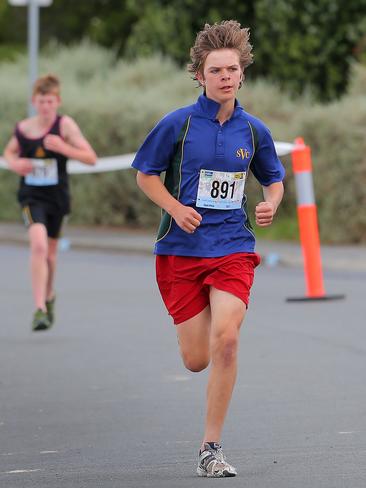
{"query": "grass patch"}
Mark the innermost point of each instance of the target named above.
(283, 229)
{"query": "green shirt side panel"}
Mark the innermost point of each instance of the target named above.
(173, 178)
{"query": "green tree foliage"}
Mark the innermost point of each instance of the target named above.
(170, 26)
(301, 45)
(106, 21)
(309, 44)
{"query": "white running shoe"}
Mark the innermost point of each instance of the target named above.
(212, 462)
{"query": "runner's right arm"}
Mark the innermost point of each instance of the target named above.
(21, 166)
(187, 218)
(71, 143)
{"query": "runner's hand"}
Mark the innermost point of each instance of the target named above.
(264, 213)
(22, 166)
(55, 144)
(187, 218)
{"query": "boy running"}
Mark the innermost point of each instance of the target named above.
(205, 247)
(38, 151)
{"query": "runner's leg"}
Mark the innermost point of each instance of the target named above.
(193, 339)
(227, 314)
(51, 262)
(38, 261)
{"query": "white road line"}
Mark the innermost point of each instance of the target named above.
(177, 377)
(21, 471)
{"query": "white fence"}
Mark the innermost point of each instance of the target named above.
(124, 161)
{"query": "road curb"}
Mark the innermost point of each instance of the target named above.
(335, 258)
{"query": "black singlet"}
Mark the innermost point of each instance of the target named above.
(54, 197)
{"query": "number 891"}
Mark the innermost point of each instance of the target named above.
(222, 189)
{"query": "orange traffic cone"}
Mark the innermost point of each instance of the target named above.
(308, 224)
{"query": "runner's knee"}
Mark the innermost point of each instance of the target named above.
(195, 364)
(224, 348)
(39, 249)
(51, 259)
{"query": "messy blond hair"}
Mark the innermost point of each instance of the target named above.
(46, 85)
(227, 34)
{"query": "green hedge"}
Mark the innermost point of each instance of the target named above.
(116, 103)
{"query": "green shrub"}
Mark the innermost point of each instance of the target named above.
(337, 139)
(116, 103)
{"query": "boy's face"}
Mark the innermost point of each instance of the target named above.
(221, 75)
(46, 105)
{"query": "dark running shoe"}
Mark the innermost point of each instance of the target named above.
(212, 462)
(40, 321)
(50, 305)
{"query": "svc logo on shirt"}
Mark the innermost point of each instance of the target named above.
(40, 152)
(242, 153)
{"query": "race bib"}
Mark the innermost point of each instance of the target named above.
(44, 173)
(220, 190)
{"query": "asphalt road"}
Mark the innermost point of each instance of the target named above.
(102, 400)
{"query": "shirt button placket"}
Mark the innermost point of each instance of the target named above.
(220, 143)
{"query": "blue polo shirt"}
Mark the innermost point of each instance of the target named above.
(191, 139)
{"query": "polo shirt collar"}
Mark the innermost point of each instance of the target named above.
(210, 108)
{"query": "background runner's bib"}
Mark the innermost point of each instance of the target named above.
(44, 173)
(220, 190)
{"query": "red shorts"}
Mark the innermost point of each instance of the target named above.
(184, 282)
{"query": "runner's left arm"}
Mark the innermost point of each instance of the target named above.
(269, 171)
(266, 210)
(72, 144)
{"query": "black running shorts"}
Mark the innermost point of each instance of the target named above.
(38, 214)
